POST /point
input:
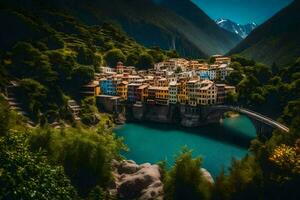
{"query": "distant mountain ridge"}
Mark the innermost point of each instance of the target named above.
(210, 36)
(275, 41)
(178, 24)
(242, 30)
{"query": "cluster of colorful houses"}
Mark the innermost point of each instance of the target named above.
(175, 81)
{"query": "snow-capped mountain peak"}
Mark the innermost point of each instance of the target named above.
(242, 30)
(220, 21)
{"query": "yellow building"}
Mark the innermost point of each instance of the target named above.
(162, 95)
(223, 60)
(194, 65)
(162, 82)
(122, 89)
(181, 92)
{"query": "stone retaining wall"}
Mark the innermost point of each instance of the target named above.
(186, 116)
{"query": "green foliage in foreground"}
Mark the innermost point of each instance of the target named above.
(28, 175)
(48, 163)
(4, 117)
(85, 154)
(185, 180)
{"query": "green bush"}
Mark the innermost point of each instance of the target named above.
(185, 179)
(88, 111)
(82, 75)
(4, 116)
(29, 62)
(26, 175)
(33, 95)
(145, 61)
(86, 154)
(114, 56)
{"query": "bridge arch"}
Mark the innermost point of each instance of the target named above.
(263, 124)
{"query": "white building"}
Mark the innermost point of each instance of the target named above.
(223, 71)
(172, 64)
(159, 66)
(212, 73)
(173, 91)
(106, 70)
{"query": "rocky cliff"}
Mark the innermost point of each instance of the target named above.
(186, 116)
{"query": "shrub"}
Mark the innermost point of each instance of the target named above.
(26, 175)
(185, 179)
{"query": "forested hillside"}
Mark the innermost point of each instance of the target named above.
(271, 170)
(275, 41)
(52, 55)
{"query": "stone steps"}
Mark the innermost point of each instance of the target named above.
(74, 108)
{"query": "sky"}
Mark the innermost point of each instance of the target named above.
(242, 11)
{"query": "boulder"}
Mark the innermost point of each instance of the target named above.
(134, 181)
(154, 191)
(142, 182)
(207, 176)
(128, 167)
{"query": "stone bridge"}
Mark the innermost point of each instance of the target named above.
(263, 124)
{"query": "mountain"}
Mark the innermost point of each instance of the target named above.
(275, 41)
(242, 30)
(168, 24)
(206, 34)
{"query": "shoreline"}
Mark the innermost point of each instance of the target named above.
(231, 114)
(159, 134)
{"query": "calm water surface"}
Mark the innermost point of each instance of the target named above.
(217, 144)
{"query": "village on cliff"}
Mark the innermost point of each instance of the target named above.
(174, 81)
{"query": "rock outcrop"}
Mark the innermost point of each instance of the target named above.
(133, 181)
(142, 182)
(207, 176)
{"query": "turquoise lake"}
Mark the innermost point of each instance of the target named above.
(216, 144)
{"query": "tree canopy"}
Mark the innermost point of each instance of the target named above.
(114, 56)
